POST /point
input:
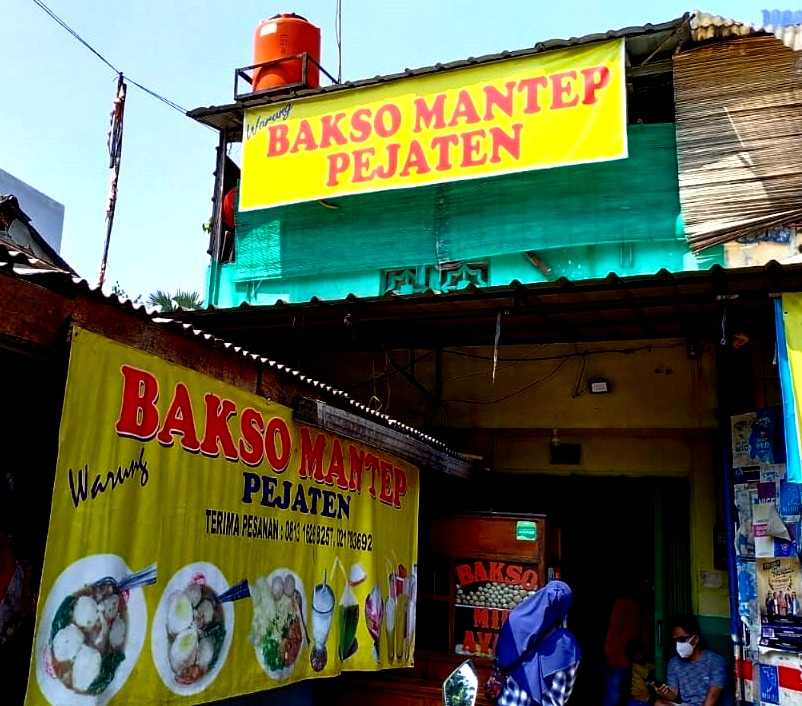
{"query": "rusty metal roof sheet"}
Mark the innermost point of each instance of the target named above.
(707, 27)
(18, 264)
(663, 305)
(641, 41)
(10, 209)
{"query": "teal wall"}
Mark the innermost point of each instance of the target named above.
(573, 263)
(582, 222)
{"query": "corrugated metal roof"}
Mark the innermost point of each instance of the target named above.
(16, 263)
(642, 41)
(663, 305)
(706, 27)
(10, 205)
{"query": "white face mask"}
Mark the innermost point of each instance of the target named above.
(684, 649)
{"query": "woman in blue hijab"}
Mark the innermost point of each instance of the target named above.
(536, 652)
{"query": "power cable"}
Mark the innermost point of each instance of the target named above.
(338, 33)
(75, 34)
(561, 356)
(514, 393)
(155, 95)
(58, 20)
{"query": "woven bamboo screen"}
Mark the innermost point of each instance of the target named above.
(739, 138)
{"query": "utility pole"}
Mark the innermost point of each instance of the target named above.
(115, 145)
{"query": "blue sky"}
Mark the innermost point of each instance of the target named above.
(55, 98)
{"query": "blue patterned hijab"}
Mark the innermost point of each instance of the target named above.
(535, 631)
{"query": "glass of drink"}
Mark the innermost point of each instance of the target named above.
(389, 620)
(401, 603)
(349, 619)
(411, 613)
(374, 613)
(322, 614)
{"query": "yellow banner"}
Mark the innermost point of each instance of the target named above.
(203, 545)
(548, 110)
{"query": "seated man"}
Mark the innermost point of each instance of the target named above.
(696, 677)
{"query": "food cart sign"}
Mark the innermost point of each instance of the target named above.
(203, 545)
(485, 593)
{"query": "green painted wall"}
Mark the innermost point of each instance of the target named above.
(574, 263)
(582, 221)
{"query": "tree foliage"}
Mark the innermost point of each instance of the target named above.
(166, 301)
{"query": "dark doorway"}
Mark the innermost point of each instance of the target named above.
(610, 536)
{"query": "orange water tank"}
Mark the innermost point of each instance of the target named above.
(284, 35)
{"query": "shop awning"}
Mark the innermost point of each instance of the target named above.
(664, 305)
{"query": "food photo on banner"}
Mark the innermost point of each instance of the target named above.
(203, 545)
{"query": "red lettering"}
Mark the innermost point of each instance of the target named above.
(386, 492)
(277, 430)
(496, 574)
(311, 455)
(530, 87)
(430, 117)
(464, 575)
(465, 110)
(251, 445)
(562, 88)
(400, 486)
(372, 464)
(481, 618)
(442, 144)
(416, 160)
(496, 99)
(472, 145)
(338, 163)
(479, 571)
(360, 125)
(486, 642)
(336, 471)
(139, 417)
(330, 130)
(362, 164)
(469, 642)
(305, 138)
(595, 79)
(510, 143)
(180, 420)
(277, 142)
(529, 579)
(217, 433)
(356, 458)
(380, 125)
(388, 170)
(514, 573)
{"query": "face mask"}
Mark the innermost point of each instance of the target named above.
(684, 649)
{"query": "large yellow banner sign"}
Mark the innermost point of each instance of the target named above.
(551, 109)
(202, 545)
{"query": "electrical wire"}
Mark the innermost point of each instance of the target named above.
(577, 354)
(514, 393)
(338, 33)
(166, 101)
(75, 34)
(579, 378)
(58, 20)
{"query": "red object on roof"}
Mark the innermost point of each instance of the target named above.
(286, 35)
(229, 208)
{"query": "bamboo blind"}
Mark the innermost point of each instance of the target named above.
(739, 138)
